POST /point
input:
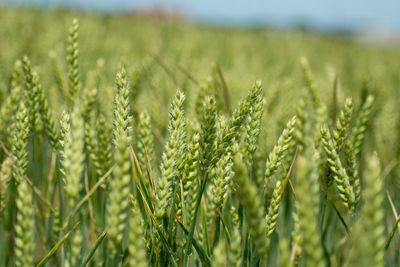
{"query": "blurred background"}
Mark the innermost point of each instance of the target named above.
(369, 20)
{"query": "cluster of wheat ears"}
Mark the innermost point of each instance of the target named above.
(213, 198)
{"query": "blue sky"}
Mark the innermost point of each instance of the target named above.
(319, 13)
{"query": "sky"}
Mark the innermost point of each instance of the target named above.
(343, 14)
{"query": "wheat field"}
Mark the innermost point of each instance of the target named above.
(133, 141)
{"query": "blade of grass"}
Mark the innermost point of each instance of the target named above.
(188, 74)
(39, 194)
(55, 248)
(164, 66)
(225, 89)
(392, 232)
(393, 207)
(202, 254)
(93, 250)
(346, 227)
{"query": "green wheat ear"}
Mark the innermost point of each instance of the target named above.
(360, 127)
(234, 248)
(372, 209)
(136, 244)
(248, 196)
(89, 99)
(5, 176)
(352, 169)
(191, 180)
(341, 177)
(307, 207)
(24, 228)
(104, 144)
(10, 104)
(276, 158)
(44, 116)
(343, 124)
(273, 210)
(72, 161)
(220, 186)
(73, 156)
(253, 128)
(118, 200)
(38, 108)
(73, 58)
(19, 144)
(31, 93)
(118, 197)
(145, 143)
(122, 109)
(208, 125)
(231, 131)
(172, 158)
(369, 232)
(297, 235)
(222, 181)
(234, 251)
